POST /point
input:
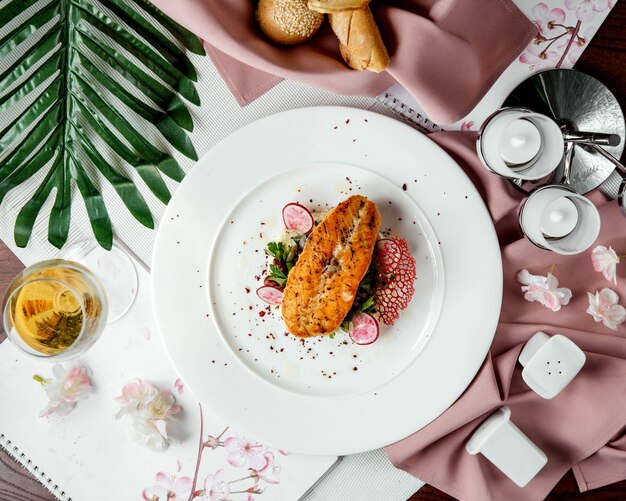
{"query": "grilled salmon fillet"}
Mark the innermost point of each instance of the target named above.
(322, 285)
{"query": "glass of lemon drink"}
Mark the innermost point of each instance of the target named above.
(54, 310)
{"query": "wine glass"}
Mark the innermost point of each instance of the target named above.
(113, 268)
(54, 310)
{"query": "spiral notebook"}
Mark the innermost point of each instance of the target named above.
(398, 99)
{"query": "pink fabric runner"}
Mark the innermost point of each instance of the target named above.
(447, 53)
(583, 428)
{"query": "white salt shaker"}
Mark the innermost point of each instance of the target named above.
(506, 446)
(550, 363)
(517, 143)
(556, 218)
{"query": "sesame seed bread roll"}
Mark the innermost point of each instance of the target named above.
(288, 22)
(359, 39)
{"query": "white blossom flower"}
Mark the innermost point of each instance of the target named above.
(150, 410)
(586, 9)
(168, 488)
(545, 290)
(606, 261)
(269, 473)
(603, 308)
(243, 451)
(135, 396)
(215, 488)
(70, 384)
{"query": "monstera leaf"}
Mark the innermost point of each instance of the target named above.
(70, 121)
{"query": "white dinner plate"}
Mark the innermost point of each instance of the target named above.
(324, 395)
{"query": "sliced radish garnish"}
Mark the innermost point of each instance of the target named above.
(269, 294)
(363, 328)
(298, 218)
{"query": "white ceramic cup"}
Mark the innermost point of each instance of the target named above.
(517, 143)
(556, 218)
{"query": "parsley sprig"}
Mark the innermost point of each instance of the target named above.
(285, 257)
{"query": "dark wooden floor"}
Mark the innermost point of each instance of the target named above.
(606, 60)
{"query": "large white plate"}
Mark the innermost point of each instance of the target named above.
(322, 395)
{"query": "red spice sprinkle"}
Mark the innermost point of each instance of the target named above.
(404, 187)
(348, 121)
(354, 369)
(260, 235)
(261, 313)
(250, 308)
(335, 127)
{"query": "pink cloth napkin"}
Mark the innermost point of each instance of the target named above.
(582, 428)
(447, 53)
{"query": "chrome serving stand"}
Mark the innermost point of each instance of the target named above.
(593, 126)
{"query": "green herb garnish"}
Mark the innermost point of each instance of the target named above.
(277, 275)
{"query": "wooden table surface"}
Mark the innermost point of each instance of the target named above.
(605, 59)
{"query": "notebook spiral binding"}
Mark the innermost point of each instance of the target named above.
(34, 470)
(416, 119)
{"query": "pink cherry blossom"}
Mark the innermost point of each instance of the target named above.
(71, 383)
(269, 473)
(135, 395)
(541, 59)
(545, 290)
(179, 385)
(162, 406)
(150, 410)
(168, 488)
(465, 126)
(243, 451)
(216, 489)
(606, 261)
(603, 308)
(545, 19)
(586, 9)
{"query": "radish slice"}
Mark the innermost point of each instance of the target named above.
(363, 328)
(298, 218)
(271, 295)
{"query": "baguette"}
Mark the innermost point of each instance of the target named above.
(360, 42)
(322, 286)
(330, 6)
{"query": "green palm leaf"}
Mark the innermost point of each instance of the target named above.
(61, 77)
